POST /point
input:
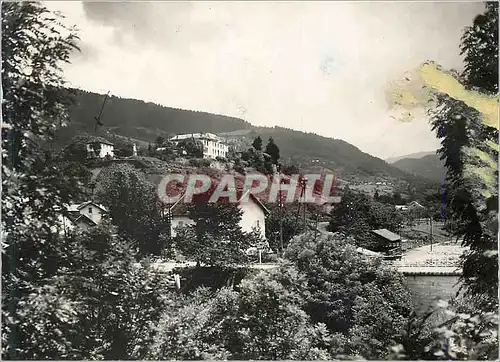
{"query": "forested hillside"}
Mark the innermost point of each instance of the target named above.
(429, 166)
(146, 121)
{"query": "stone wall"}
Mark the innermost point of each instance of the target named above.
(427, 288)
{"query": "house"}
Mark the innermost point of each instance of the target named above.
(213, 145)
(100, 147)
(414, 208)
(83, 215)
(253, 216)
(388, 242)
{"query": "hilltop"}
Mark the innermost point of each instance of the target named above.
(143, 122)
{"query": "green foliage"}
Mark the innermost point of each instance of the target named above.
(160, 141)
(88, 310)
(35, 185)
(343, 289)
(289, 224)
(480, 49)
(291, 170)
(133, 206)
(199, 162)
(216, 239)
(190, 147)
(273, 151)
(262, 319)
(257, 143)
(468, 333)
(470, 159)
(357, 215)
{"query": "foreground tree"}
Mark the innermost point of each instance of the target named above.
(262, 319)
(34, 104)
(470, 150)
(133, 206)
(350, 294)
(216, 239)
(469, 147)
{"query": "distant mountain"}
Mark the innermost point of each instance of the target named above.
(144, 122)
(429, 166)
(412, 155)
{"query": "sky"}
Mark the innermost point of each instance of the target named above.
(322, 67)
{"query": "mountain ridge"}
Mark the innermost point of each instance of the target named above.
(145, 121)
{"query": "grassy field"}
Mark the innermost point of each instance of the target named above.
(420, 234)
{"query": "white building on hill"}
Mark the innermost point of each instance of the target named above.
(100, 147)
(213, 145)
(82, 215)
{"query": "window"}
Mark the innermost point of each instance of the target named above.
(90, 210)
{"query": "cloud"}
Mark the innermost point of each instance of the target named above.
(321, 67)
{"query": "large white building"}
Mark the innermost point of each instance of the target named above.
(213, 145)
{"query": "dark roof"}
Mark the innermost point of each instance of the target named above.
(85, 219)
(386, 234)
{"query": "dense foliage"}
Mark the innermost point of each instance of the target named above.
(350, 294)
(470, 151)
(134, 206)
(216, 238)
(357, 215)
(261, 319)
(76, 296)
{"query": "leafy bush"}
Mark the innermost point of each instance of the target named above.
(351, 294)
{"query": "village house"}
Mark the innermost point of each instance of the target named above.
(253, 216)
(100, 147)
(213, 145)
(84, 215)
(414, 208)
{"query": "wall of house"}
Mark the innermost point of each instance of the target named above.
(252, 216)
(92, 212)
(426, 289)
(179, 221)
(213, 149)
(106, 150)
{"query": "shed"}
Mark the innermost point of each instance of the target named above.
(389, 242)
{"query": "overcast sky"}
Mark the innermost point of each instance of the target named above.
(321, 67)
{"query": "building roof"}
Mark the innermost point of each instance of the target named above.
(207, 136)
(78, 207)
(386, 234)
(181, 208)
(415, 204)
(85, 219)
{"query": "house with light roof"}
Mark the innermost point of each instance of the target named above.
(84, 215)
(213, 145)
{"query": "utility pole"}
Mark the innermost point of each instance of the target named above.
(430, 221)
(303, 182)
(280, 205)
(316, 228)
